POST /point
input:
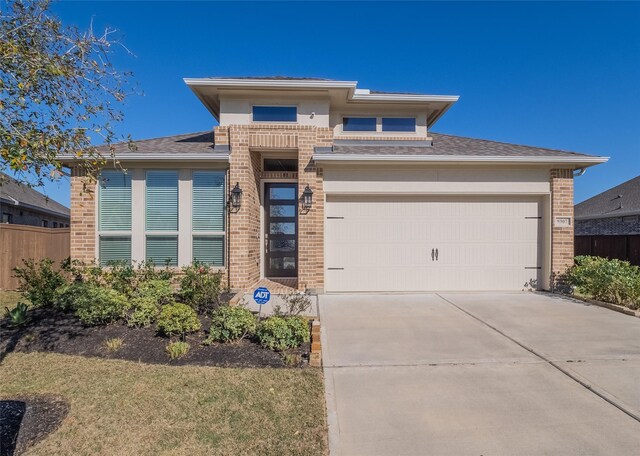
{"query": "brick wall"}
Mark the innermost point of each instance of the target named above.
(248, 142)
(561, 236)
(610, 226)
(83, 217)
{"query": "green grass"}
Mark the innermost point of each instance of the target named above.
(121, 407)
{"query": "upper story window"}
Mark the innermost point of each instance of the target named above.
(399, 124)
(275, 114)
(358, 124)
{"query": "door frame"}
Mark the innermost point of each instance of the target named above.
(263, 217)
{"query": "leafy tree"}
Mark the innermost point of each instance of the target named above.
(59, 91)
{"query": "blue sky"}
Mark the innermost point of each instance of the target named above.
(557, 75)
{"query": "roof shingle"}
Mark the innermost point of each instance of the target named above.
(11, 190)
(623, 199)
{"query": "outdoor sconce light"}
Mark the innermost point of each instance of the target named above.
(235, 199)
(307, 198)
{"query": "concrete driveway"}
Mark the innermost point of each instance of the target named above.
(479, 374)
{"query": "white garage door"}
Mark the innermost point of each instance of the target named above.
(418, 243)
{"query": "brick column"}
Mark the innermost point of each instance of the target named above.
(83, 217)
(562, 252)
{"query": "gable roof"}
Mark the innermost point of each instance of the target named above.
(623, 199)
(16, 194)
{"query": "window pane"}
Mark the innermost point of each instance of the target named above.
(282, 245)
(114, 248)
(208, 206)
(209, 250)
(281, 164)
(278, 210)
(283, 263)
(282, 228)
(162, 201)
(359, 124)
(162, 250)
(282, 193)
(114, 198)
(398, 124)
(275, 114)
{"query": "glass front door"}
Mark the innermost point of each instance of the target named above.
(281, 230)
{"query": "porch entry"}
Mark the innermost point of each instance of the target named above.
(281, 230)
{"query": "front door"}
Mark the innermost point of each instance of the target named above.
(281, 230)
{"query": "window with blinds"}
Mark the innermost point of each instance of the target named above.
(114, 217)
(208, 216)
(161, 217)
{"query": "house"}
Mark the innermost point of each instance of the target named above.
(323, 186)
(608, 224)
(22, 205)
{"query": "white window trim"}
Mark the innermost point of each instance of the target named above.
(100, 233)
(222, 233)
(185, 233)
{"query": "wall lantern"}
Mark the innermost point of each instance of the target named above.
(307, 198)
(235, 197)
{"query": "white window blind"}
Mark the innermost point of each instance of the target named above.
(162, 201)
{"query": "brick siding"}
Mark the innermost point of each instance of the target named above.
(83, 217)
(561, 236)
(610, 226)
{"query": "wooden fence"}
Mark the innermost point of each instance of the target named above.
(22, 241)
(620, 247)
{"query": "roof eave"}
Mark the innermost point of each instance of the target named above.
(577, 162)
(164, 157)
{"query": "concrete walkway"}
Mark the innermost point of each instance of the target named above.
(491, 374)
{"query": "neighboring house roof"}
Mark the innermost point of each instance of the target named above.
(623, 199)
(449, 148)
(16, 194)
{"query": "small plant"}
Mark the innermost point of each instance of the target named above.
(200, 287)
(178, 349)
(294, 304)
(18, 315)
(92, 304)
(39, 281)
(177, 320)
(229, 324)
(144, 312)
(279, 333)
(114, 344)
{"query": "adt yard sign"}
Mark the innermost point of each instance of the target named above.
(261, 296)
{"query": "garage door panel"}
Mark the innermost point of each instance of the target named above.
(385, 243)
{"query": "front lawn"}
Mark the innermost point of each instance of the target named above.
(122, 407)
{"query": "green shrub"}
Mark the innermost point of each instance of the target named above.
(96, 305)
(156, 290)
(39, 281)
(200, 287)
(120, 276)
(178, 349)
(177, 320)
(607, 280)
(144, 312)
(229, 324)
(280, 333)
(147, 271)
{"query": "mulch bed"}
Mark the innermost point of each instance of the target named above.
(50, 330)
(26, 420)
